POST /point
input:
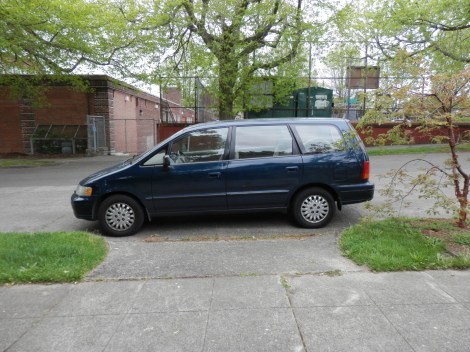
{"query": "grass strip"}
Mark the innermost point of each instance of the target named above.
(416, 149)
(397, 244)
(24, 163)
(49, 257)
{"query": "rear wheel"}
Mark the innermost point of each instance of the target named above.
(313, 208)
(120, 215)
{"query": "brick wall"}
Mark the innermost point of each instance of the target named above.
(27, 118)
(11, 140)
(180, 114)
(131, 116)
(462, 132)
(64, 107)
(135, 121)
(100, 103)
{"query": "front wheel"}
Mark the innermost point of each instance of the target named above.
(120, 215)
(313, 208)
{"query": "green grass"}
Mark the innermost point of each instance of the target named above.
(397, 244)
(24, 163)
(49, 257)
(416, 149)
(462, 238)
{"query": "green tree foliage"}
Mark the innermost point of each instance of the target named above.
(55, 38)
(423, 48)
(438, 28)
(229, 43)
(434, 111)
(337, 62)
(232, 45)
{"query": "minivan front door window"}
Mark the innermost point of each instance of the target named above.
(199, 146)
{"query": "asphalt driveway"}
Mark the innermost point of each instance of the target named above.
(38, 199)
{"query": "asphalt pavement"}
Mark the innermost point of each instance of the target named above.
(244, 283)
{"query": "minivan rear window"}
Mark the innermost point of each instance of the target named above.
(320, 138)
(262, 141)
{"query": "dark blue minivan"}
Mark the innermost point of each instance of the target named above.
(300, 166)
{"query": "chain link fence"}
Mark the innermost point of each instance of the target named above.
(188, 101)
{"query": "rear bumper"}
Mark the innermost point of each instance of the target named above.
(358, 193)
(83, 207)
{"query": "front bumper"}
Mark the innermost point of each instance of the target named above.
(83, 207)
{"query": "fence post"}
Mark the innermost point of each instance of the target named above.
(125, 134)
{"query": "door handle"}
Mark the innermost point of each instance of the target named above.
(292, 168)
(214, 175)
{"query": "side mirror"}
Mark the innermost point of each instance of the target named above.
(166, 162)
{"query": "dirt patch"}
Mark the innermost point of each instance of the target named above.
(446, 231)
(157, 238)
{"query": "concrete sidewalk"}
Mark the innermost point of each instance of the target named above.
(354, 311)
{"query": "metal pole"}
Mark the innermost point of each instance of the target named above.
(161, 104)
(95, 137)
(309, 78)
(195, 100)
(125, 133)
(365, 83)
(349, 89)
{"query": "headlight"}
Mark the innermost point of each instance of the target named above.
(83, 191)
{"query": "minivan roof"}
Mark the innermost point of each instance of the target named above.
(247, 122)
(269, 120)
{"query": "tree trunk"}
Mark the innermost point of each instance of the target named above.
(227, 84)
(461, 193)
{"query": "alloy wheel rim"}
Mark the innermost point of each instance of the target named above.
(314, 209)
(120, 216)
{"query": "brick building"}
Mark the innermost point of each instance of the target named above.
(110, 117)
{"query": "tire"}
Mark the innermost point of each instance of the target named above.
(120, 215)
(313, 208)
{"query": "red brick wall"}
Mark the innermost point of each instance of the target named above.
(148, 112)
(18, 119)
(123, 126)
(64, 107)
(167, 130)
(181, 114)
(134, 122)
(462, 131)
(10, 125)
(131, 126)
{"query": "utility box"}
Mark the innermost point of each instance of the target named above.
(304, 102)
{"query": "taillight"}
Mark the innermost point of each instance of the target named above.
(366, 170)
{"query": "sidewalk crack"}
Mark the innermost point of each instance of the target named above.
(287, 289)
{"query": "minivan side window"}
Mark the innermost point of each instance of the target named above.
(199, 146)
(262, 141)
(320, 138)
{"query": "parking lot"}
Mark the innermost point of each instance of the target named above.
(38, 199)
